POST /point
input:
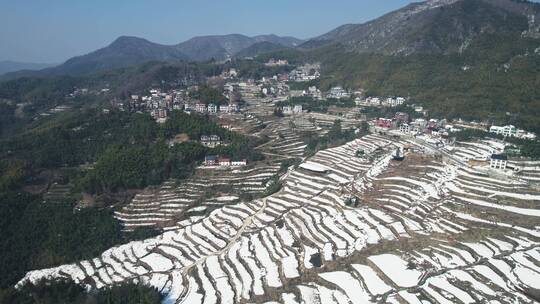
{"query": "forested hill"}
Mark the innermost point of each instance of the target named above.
(474, 59)
(435, 27)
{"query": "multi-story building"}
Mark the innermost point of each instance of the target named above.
(507, 131)
(405, 128)
(210, 141)
(498, 162)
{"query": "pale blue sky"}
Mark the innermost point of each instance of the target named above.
(55, 30)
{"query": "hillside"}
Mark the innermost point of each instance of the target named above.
(260, 48)
(468, 59)
(435, 26)
(221, 47)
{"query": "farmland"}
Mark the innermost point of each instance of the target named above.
(346, 227)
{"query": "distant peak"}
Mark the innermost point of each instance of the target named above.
(122, 40)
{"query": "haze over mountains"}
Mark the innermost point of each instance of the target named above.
(8, 66)
(126, 51)
(435, 26)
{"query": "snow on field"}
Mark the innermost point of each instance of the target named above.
(290, 267)
(443, 284)
(350, 286)
(528, 276)
(311, 166)
(374, 283)
(243, 249)
(395, 268)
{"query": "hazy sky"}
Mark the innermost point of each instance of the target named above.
(51, 31)
(54, 30)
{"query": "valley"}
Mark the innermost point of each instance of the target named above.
(344, 228)
(391, 161)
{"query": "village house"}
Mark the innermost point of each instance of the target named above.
(507, 131)
(276, 62)
(230, 108)
(405, 128)
(498, 162)
(384, 123)
(401, 117)
(512, 131)
(290, 110)
(224, 161)
(239, 163)
(419, 124)
(210, 160)
(224, 108)
(211, 141)
(373, 101)
(338, 93)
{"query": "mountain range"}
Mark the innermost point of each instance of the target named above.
(436, 26)
(430, 27)
(126, 51)
(8, 66)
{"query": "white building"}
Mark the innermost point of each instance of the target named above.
(507, 131)
(338, 92)
(405, 128)
(239, 163)
(290, 110)
(210, 141)
(287, 110)
(498, 162)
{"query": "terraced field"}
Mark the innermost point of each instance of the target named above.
(175, 204)
(345, 229)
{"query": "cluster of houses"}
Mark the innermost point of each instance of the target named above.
(380, 102)
(211, 108)
(512, 131)
(210, 141)
(291, 110)
(223, 161)
(159, 104)
(305, 73)
(402, 122)
(338, 93)
(85, 91)
(276, 62)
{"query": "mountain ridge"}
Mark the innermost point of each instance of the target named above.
(9, 66)
(129, 50)
(416, 27)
